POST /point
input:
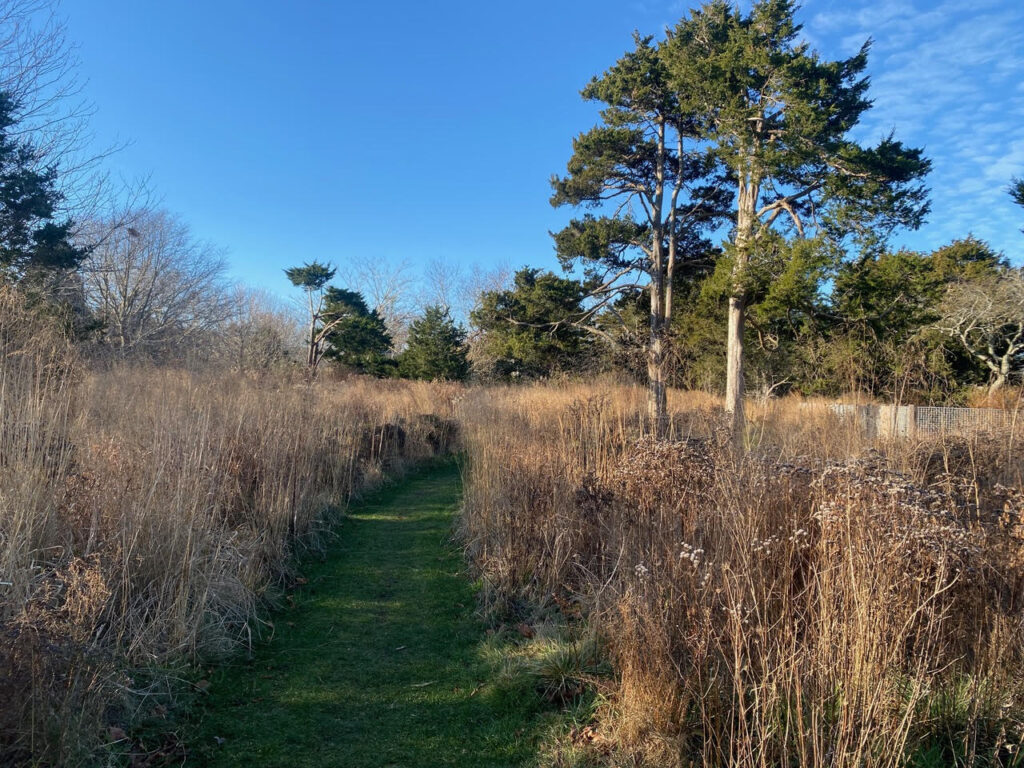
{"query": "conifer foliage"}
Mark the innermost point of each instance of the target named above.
(436, 349)
(33, 240)
(357, 337)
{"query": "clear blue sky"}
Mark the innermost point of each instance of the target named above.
(288, 131)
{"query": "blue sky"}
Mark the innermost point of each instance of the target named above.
(413, 131)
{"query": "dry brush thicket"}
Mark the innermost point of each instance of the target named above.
(145, 516)
(815, 602)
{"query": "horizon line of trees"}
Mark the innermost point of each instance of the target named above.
(902, 326)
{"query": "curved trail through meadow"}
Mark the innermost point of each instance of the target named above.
(378, 663)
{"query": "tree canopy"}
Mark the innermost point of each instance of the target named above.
(355, 335)
(33, 239)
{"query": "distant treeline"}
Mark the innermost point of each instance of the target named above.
(901, 325)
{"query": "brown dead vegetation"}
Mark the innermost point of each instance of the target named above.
(146, 515)
(816, 601)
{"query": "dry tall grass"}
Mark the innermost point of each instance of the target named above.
(816, 602)
(145, 514)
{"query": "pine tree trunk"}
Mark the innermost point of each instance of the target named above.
(657, 393)
(734, 367)
(746, 215)
(311, 355)
(657, 396)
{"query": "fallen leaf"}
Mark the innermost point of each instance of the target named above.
(203, 685)
(117, 734)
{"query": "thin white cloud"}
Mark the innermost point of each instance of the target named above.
(946, 77)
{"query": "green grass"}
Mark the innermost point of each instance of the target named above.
(379, 663)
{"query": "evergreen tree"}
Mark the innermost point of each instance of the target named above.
(313, 278)
(356, 336)
(33, 242)
(883, 306)
(646, 159)
(533, 330)
(779, 117)
(436, 349)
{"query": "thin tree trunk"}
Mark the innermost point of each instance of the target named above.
(734, 366)
(657, 394)
(657, 397)
(311, 360)
(746, 215)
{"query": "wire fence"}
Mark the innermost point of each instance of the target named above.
(911, 420)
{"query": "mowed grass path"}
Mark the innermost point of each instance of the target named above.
(377, 664)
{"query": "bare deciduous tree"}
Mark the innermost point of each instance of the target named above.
(261, 334)
(986, 316)
(156, 289)
(449, 284)
(39, 71)
(389, 288)
(443, 280)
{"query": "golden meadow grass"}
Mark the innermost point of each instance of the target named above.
(817, 601)
(146, 515)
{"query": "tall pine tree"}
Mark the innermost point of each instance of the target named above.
(779, 118)
(655, 190)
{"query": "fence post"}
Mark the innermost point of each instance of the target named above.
(886, 418)
(869, 413)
